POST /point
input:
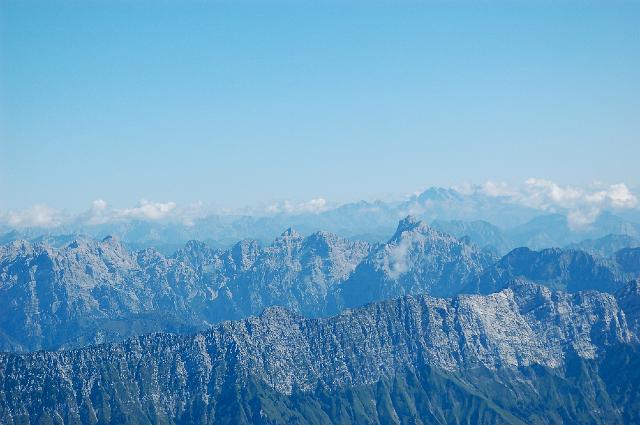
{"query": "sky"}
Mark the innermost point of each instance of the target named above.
(240, 103)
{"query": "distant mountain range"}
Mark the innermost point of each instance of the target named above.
(89, 291)
(567, 270)
(606, 235)
(523, 355)
(493, 222)
(606, 246)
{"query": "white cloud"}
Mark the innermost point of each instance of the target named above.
(189, 214)
(497, 189)
(101, 213)
(582, 205)
(546, 195)
(616, 195)
(147, 210)
(98, 205)
(98, 213)
(398, 256)
(313, 206)
(36, 216)
(578, 219)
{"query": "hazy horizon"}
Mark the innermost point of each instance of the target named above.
(581, 205)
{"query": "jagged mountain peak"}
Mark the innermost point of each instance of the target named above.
(109, 239)
(410, 230)
(408, 222)
(321, 240)
(112, 242)
(193, 245)
(195, 253)
(327, 241)
(245, 253)
(82, 242)
(17, 247)
(323, 235)
(108, 247)
(290, 233)
(411, 225)
(439, 194)
(148, 256)
(324, 242)
(298, 272)
(289, 239)
(417, 259)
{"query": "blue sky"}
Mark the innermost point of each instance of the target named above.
(237, 104)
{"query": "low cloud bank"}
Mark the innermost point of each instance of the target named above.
(313, 206)
(581, 205)
(37, 216)
(101, 212)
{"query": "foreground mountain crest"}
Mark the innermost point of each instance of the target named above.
(186, 378)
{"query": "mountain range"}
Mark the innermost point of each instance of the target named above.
(523, 355)
(88, 291)
(432, 325)
(606, 235)
(494, 222)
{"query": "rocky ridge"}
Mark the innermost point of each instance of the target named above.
(89, 292)
(163, 376)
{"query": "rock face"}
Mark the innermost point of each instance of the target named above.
(88, 291)
(629, 260)
(51, 295)
(557, 268)
(527, 340)
(522, 353)
(484, 234)
(91, 292)
(629, 300)
(296, 272)
(417, 259)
